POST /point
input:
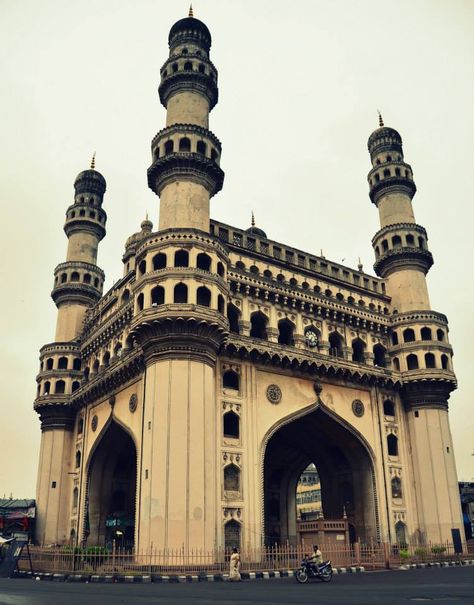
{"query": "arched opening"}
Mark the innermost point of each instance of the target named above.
(125, 296)
(203, 296)
(180, 293)
(379, 356)
(140, 302)
(408, 335)
(401, 533)
(286, 332)
(201, 147)
(220, 269)
(440, 335)
(258, 325)
(47, 388)
(394, 338)
(220, 304)
(214, 154)
(80, 426)
(396, 487)
(188, 66)
(336, 344)
(203, 261)
(392, 445)
(159, 261)
(444, 362)
(75, 385)
(231, 380)
(181, 258)
(396, 364)
(410, 240)
(358, 349)
(112, 482)
(231, 535)
(318, 442)
(49, 363)
(75, 497)
(185, 144)
(76, 364)
(426, 334)
(232, 478)
(157, 296)
(96, 366)
(62, 363)
(74, 276)
(231, 425)
(430, 360)
(389, 408)
(233, 315)
(87, 278)
(142, 267)
(396, 241)
(308, 495)
(59, 387)
(169, 145)
(412, 362)
(78, 459)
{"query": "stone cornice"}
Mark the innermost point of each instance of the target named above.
(421, 345)
(94, 336)
(181, 237)
(188, 81)
(75, 292)
(199, 275)
(398, 259)
(181, 165)
(392, 184)
(428, 394)
(119, 373)
(409, 317)
(307, 362)
(60, 347)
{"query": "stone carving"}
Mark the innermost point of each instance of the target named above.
(358, 408)
(274, 393)
(133, 402)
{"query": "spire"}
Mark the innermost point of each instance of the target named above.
(381, 124)
(93, 161)
(360, 266)
(253, 220)
(191, 14)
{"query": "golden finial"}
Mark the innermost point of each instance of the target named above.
(93, 161)
(191, 14)
(146, 216)
(381, 124)
(253, 220)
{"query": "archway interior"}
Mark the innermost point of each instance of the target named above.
(112, 490)
(308, 495)
(344, 469)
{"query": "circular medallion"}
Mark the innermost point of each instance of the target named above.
(358, 408)
(132, 404)
(273, 393)
(94, 423)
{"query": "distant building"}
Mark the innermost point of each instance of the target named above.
(466, 491)
(17, 517)
(308, 495)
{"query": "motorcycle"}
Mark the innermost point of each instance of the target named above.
(309, 570)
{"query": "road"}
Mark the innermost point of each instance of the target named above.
(444, 586)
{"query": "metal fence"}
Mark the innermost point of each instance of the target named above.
(98, 560)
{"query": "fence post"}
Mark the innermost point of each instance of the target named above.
(357, 552)
(113, 555)
(386, 551)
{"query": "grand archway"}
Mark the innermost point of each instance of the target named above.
(345, 470)
(111, 493)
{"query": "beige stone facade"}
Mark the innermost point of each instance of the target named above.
(180, 408)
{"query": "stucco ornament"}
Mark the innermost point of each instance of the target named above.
(94, 423)
(132, 404)
(273, 393)
(358, 407)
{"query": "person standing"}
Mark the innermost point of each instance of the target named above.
(234, 571)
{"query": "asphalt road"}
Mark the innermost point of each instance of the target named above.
(444, 586)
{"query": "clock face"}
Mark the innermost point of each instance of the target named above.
(311, 338)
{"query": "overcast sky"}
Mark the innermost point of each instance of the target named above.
(299, 86)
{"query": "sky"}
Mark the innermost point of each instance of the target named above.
(299, 87)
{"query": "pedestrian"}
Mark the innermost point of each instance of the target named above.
(234, 571)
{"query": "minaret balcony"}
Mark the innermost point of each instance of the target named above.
(188, 74)
(391, 184)
(401, 258)
(82, 217)
(78, 282)
(181, 166)
(422, 389)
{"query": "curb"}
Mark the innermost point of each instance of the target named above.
(170, 578)
(437, 564)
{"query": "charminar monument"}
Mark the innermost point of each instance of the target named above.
(180, 408)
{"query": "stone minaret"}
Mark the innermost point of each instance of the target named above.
(181, 294)
(419, 347)
(78, 284)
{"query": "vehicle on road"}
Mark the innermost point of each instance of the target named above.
(309, 570)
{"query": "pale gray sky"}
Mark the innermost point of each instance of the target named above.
(300, 83)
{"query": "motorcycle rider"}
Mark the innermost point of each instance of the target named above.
(316, 557)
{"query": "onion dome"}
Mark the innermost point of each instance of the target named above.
(136, 238)
(190, 31)
(90, 181)
(253, 230)
(384, 139)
